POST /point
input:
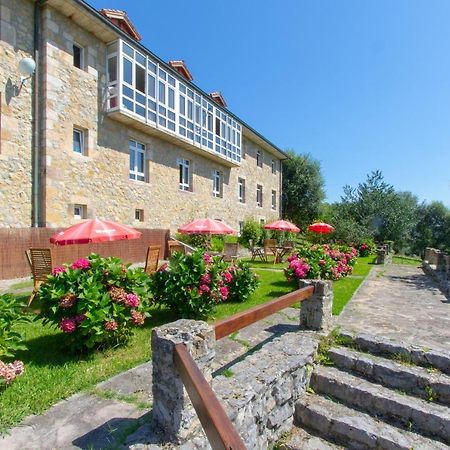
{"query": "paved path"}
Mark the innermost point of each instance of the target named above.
(403, 304)
(116, 408)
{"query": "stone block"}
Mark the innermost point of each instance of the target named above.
(316, 312)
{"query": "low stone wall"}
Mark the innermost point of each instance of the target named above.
(260, 396)
(384, 255)
(437, 264)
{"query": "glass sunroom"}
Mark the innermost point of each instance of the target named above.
(141, 88)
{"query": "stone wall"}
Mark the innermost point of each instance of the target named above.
(75, 97)
(437, 264)
(16, 42)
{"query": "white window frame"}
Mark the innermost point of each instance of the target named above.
(274, 167)
(75, 44)
(259, 158)
(217, 183)
(139, 215)
(259, 195)
(241, 227)
(274, 199)
(184, 170)
(241, 190)
(133, 146)
(79, 211)
(82, 141)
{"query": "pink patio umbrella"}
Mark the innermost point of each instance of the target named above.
(321, 228)
(94, 231)
(206, 226)
(282, 225)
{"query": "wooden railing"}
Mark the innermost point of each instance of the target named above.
(231, 324)
(220, 431)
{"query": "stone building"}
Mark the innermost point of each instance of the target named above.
(104, 128)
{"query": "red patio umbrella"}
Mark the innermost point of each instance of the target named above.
(282, 225)
(321, 228)
(206, 226)
(94, 231)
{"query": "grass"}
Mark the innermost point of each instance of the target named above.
(22, 285)
(343, 292)
(363, 265)
(406, 260)
(258, 264)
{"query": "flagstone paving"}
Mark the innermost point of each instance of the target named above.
(401, 303)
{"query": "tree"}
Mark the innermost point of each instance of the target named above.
(303, 188)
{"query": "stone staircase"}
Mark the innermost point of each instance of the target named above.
(375, 395)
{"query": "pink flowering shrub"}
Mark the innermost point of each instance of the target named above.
(95, 301)
(366, 248)
(9, 372)
(192, 285)
(328, 262)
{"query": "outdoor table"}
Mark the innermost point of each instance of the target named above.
(279, 251)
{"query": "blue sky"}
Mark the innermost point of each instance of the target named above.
(359, 84)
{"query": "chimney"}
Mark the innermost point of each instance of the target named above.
(182, 69)
(121, 20)
(218, 98)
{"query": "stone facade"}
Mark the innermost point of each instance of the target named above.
(74, 97)
(437, 264)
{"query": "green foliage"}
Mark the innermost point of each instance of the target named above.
(11, 315)
(251, 231)
(96, 302)
(303, 188)
(192, 285)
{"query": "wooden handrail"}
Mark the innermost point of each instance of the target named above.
(231, 324)
(218, 427)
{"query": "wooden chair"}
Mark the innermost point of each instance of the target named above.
(230, 251)
(256, 252)
(152, 259)
(270, 248)
(175, 246)
(40, 261)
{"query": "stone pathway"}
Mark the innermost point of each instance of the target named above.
(400, 303)
(116, 408)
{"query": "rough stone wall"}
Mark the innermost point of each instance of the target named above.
(100, 180)
(437, 265)
(16, 42)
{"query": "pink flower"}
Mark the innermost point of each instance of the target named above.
(205, 279)
(81, 263)
(164, 267)
(204, 288)
(58, 269)
(207, 258)
(132, 300)
(223, 292)
(322, 262)
(68, 325)
(292, 257)
(10, 371)
(137, 318)
(110, 325)
(228, 277)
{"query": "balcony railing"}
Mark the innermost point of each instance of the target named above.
(142, 89)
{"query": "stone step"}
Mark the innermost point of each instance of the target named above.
(425, 417)
(415, 380)
(379, 345)
(300, 439)
(354, 429)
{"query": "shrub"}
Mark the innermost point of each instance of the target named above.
(366, 248)
(192, 285)
(251, 231)
(321, 261)
(11, 338)
(96, 301)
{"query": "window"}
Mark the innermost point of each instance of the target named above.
(137, 160)
(78, 56)
(274, 167)
(241, 228)
(259, 161)
(259, 195)
(274, 199)
(139, 215)
(78, 141)
(262, 221)
(79, 211)
(217, 183)
(185, 175)
(241, 190)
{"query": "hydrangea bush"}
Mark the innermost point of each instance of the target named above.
(11, 339)
(327, 262)
(95, 301)
(366, 248)
(192, 285)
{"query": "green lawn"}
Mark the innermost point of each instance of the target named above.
(406, 260)
(363, 265)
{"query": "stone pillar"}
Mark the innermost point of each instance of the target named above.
(316, 312)
(381, 255)
(440, 262)
(172, 409)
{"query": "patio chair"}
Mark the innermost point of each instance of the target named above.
(230, 251)
(256, 252)
(40, 261)
(175, 246)
(270, 248)
(152, 259)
